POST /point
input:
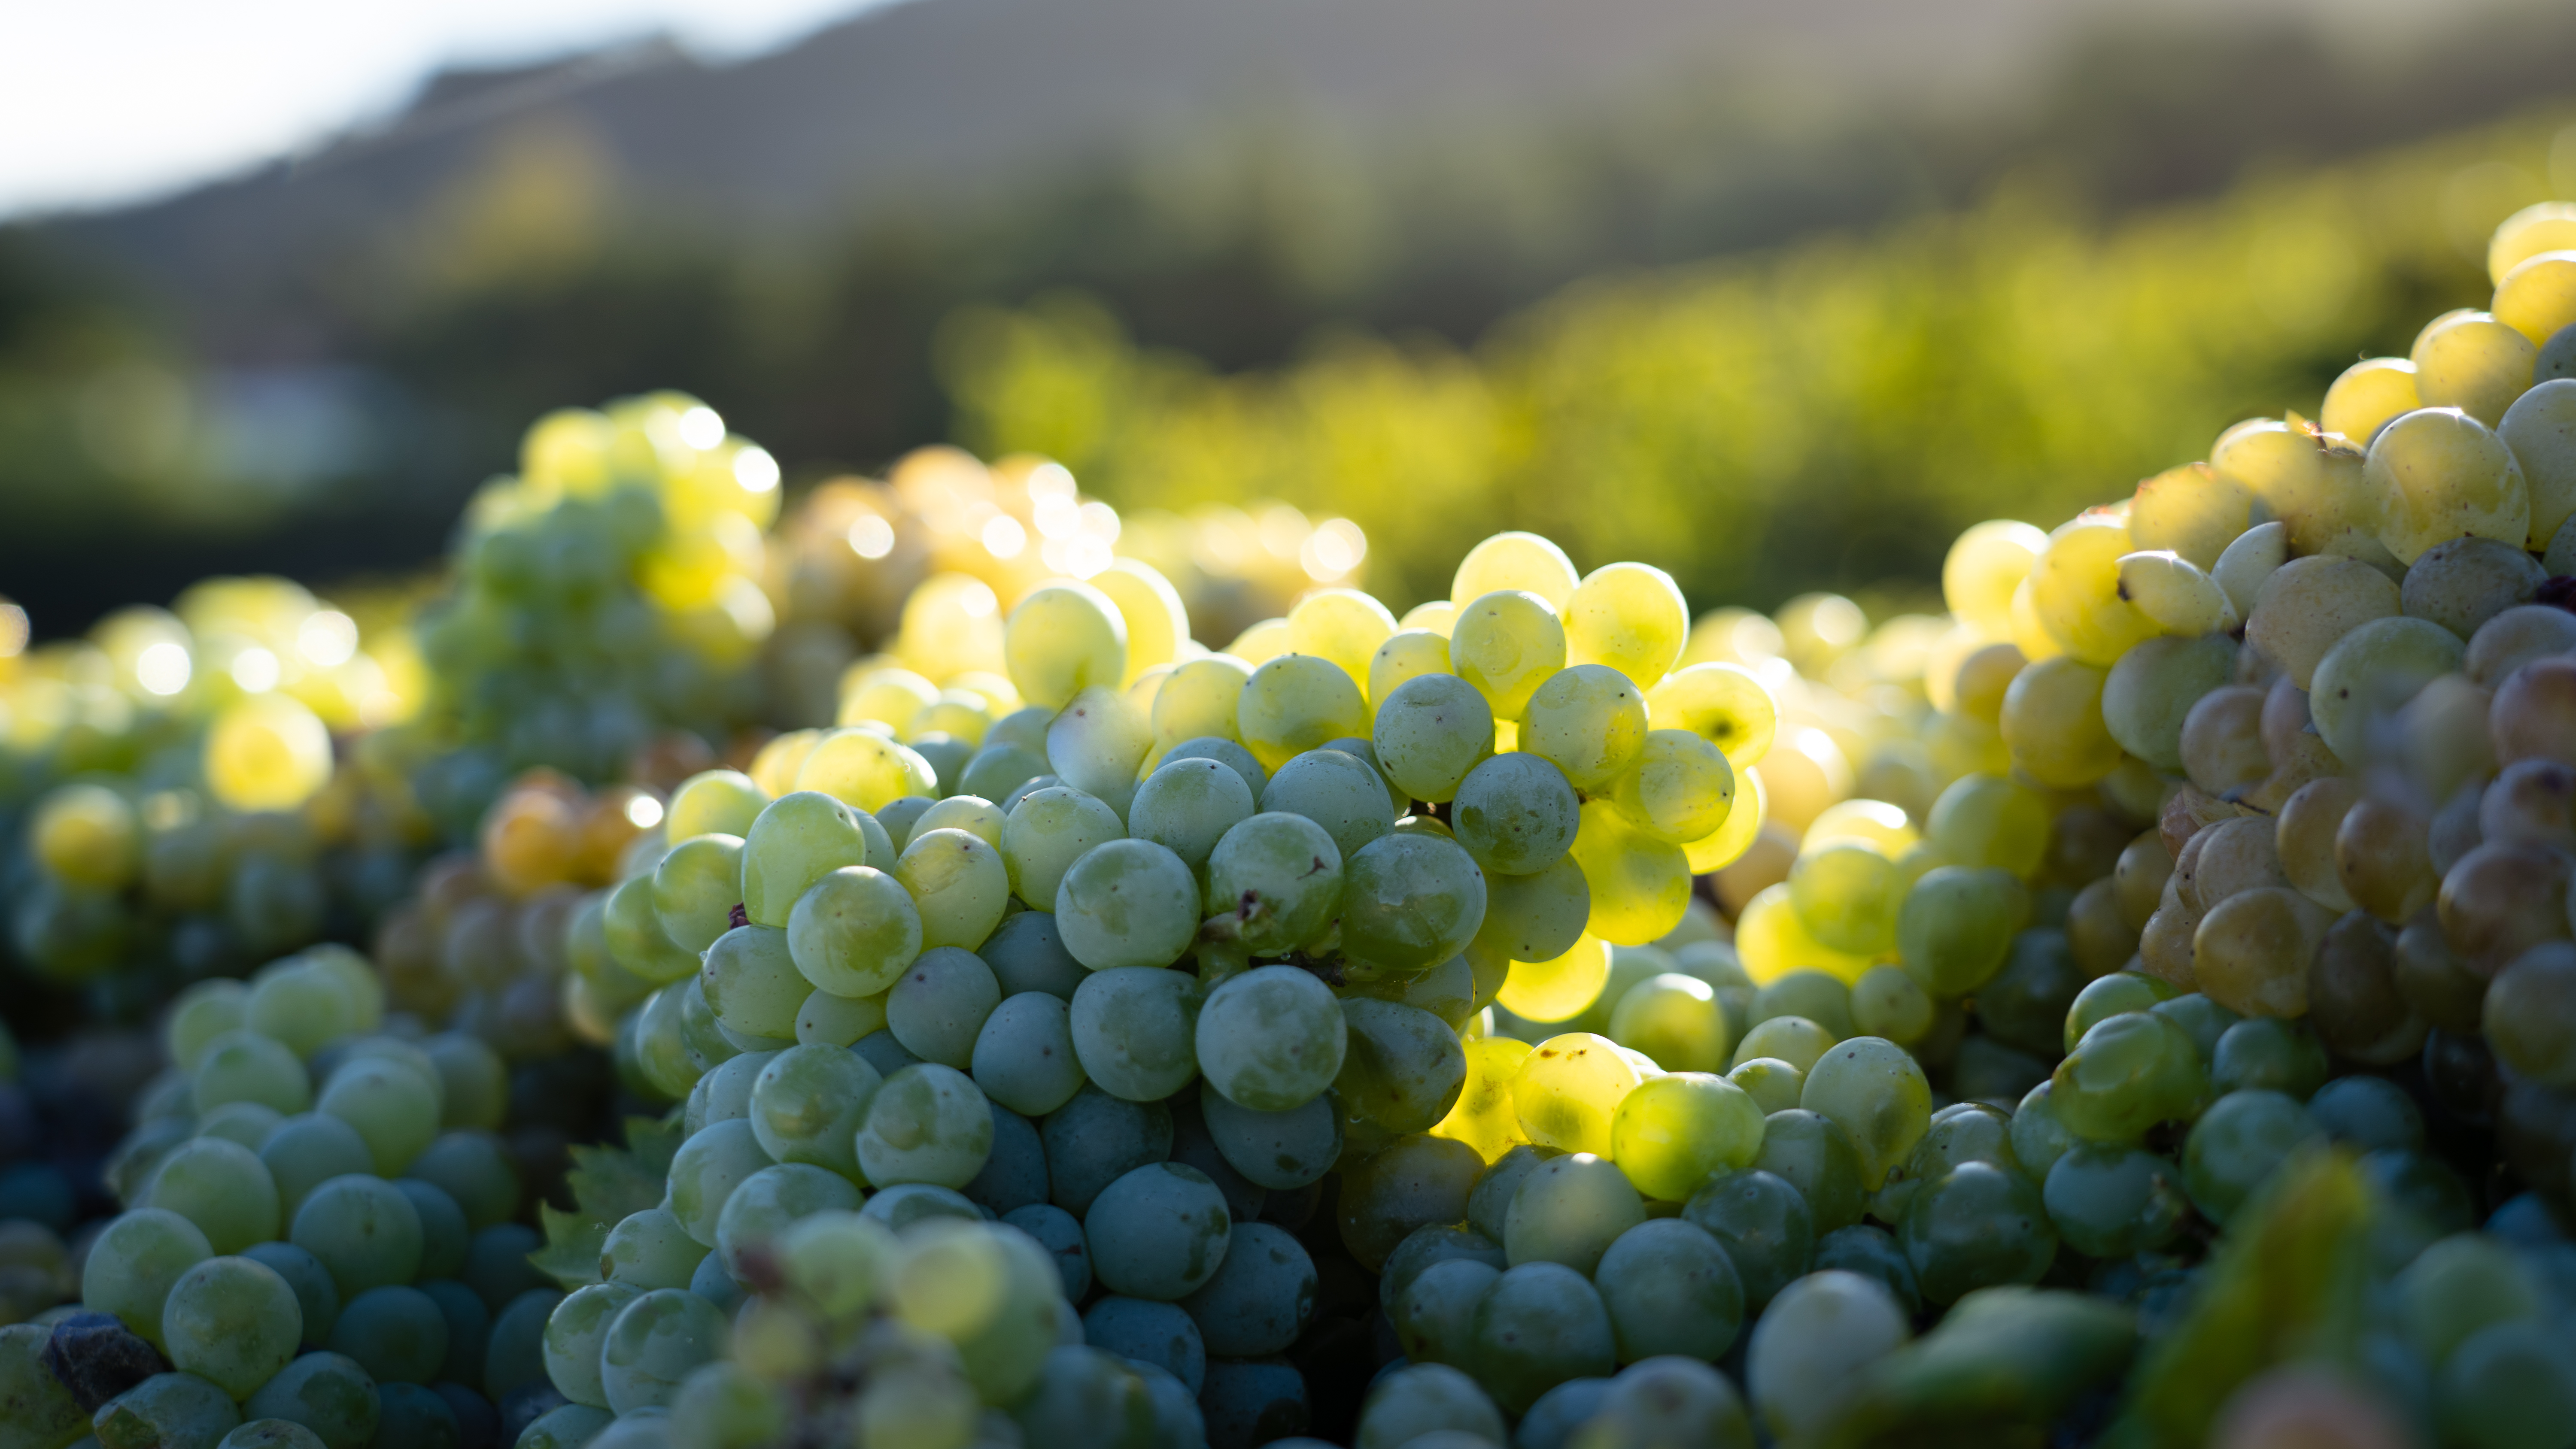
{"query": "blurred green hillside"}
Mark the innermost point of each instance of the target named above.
(1829, 413)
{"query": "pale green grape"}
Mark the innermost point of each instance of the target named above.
(1295, 703)
(1670, 1289)
(1344, 626)
(1096, 744)
(1278, 878)
(307, 1150)
(2472, 362)
(1847, 896)
(1187, 805)
(1281, 1150)
(958, 883)
(696, 887)
(231, 1321)
(2367, 395)
(862, 768)
(325, 1393)
(575, 1333)
(752, 983)
(1630, 617)
(1198, 700)
(1874, 1090)
(854, 931)
(385, 1102)
(723, 1406)
(2237, 1145)
(1722, 704)
(1818, 1336)
(840, 1260)
(940, 1004)
(174, 1408)
(2373, 671)
(1536, 917)
(1402, 1069)
(1887, 1002)
(2114, 1202)
(1791, 1039)
(1674, 1019)
(705, 1171)
(222, 1187)
(1046, 833)
(2152, 689)
(633, 932)
(648, 1250)
(807, 1103)
(1434, 1312)
(1127, 903)
(713, 802)
(1525, 561)
(926, 1124)
(1984, 565)
(1061, 639)
(244, 1066)
(2439, 473)
(1569, 1210)
(795, 841)
(758, 1210)
(2128, 1073)
(138, 1256)
(1640, 885)
(362, 1230)
(1516, 815)
(1407, 655)
(1589, 721)
(301, 1003)
(1271, 1039)
(724, 1094)
(1431, 730)
(1672, 1134)
(1540, 1325)
(1135, 1031)
(247, 1123)
(2075, 590)
(1679, 790)
(2462, 583)
(830, 1020)
(1224, 750)
(2174, 593)
(1569, 1090)
(43, 1412)
(1159, 1232)
(2052, 724)
(1507, 643)
(201, 1014)
(1410, 901)
(474, 1083)
(1956, 926)
(1027, 1057)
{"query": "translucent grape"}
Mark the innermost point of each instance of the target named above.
(648, 1250)
(243, 1066)
(2052, 722)
(696, 887)
(864, 769)
(2439, 473)
(1629, 617)
(762, 1206)
(1407, 655)
(2075, 590)
(1676, 1020)
(959, 885)
(1343, 626)
(1984, 565)
(2472, 362)
(1198, 700)
(1640, 885)
(1061, 639)
(1876, 1093)
(1524, 561)
(138, 1256)
(1567, 1093)
(1295, 703)
(1483, 1116)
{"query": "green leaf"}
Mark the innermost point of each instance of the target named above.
(609, 1184)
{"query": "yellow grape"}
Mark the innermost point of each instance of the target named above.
(2075, 590)
(1513, 561)
(1589, 722)
(1433, 617)
(1560, 989)
(1507, 644)
(1679, 790)
(1199, 699)
(2028, 634)
(774, 768)
(2175, 593)
(1261, 643)
(1847, 896)
(2367, 395)
(1568, 1091)
(2538, 296)
(267, 752)
(1409, 653)
(1158, 624)
(88, 835)
(1293, 704)
(1884, 826)
(1721, 703)
(2052, 723)
(1062, 639)
(1728, 842)
(1640, 885)
(1629, 616)
(2546, 226)
(2471, 361)
(1342, 625)
(2194, 511)
(1484, 1117)
(951, 622)
(857, 767)
(1984, 566)
(2437, 474)
(1772, 941)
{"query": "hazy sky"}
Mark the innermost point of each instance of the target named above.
(103, 100)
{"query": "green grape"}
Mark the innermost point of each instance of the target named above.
(474, 1082)
(1848, 896)
(752, 983)
(2237, 1145)
(723, 1406)
(1567, 1094)
(724, 1094)
(1722, 704)
(325, 1393)
(1680, 790)
(1588, 721)
(2152, 689)
(42, 1412)
(397, 1334)
(2509, 1385)
(1127, 903)
(1408, 902)
(1887, 1002)
(2075, 589)
(1674, 1019)
(1794, 1040)
(2052, 723)
(176, 1408)
(2373, 671)
(2038, 1137)
(2109, 996)
(997, 771)
(1507, 643)
(1537, 917)
(222, 1187)
(1096, 744)
(1279, 877)
(243, 1066)
(363, 1231)
(565, 1426)
(939, 1006)
(385, 1103)
(1871, 1252)
(1431, 730)
(1278, 1150)
(2437, 474)
(303, 1004)
(1822, 1334)
(1558, 989)
(696, 887)
(317, 1301)
(865, 769)
(829, 1020)
(806, 1106)
(1774, 1085)
(1772, 940)
(959, 885)
(2458, 1286)
(1672, 1134)
(1408, 654)
(1956, 926)
(1640, 885)
(1877, 1094)
(761, 1207)
(443, 1233)
(1198, 700)
(1540, 1325)
(1411, 1183)
(648, 1250)
(1962, 1132)
(1630, 617)
(927, 1124)
(1158, 1232)
(1186, 806)
(635, 938)
(1402, 1069)
(1569, 1210)
(1763, 1225)
(1046, 833)
(1816, 995)
(705, 1171)
(305, 1151)
(1434, 1312)
(1061, 639)
(2128, 1073)
(1272, 1038)
(795, 841)
(1986, 821)
(840, 1260)
(2269, 1053)
(201, 1014)
(2307, 604)
(136, 1259)
(854, 931)
(1340, 792)
(1514, 561)
(1027, 1057)
(576, 1332)
(2114, 1202)
(1293, 704)
(1223, 748)
(2179, 597)
(1813, 1154)
(1670, 1288)
(1261, 1297)
(713, 802)
(1976, 1226)
(1515, 814)
(1447, 991)
(1134, 1031)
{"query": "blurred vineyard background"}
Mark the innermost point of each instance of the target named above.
(1774, 300)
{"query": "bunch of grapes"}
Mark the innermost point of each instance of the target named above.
(175, 805)
(320, 1241)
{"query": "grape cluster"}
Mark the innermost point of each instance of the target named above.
(320, 1240)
